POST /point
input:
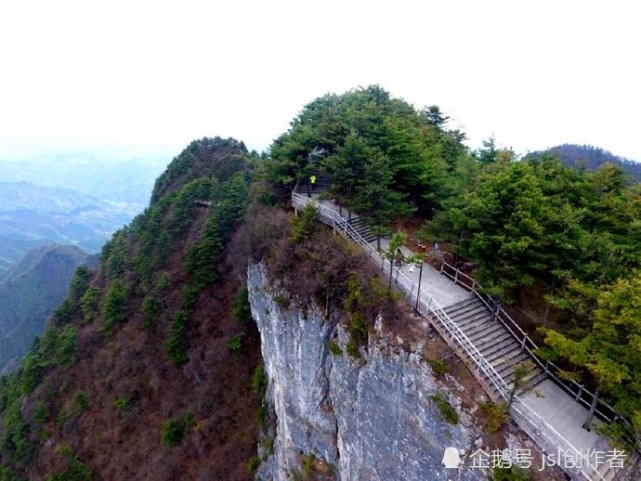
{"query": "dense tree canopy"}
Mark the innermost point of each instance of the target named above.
(384, 157)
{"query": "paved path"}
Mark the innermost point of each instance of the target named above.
(561, 411)
(442, 290)
(553, 405)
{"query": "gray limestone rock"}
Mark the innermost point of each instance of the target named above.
(371, 418)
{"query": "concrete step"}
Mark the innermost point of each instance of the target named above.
(488, 332)
(533, 379)
(513, 357)
(460, 311)
(506, 369)
(500, 349)
(480, 319)
(461, 307)
(465, 317)
(482, 325)
(485, 344)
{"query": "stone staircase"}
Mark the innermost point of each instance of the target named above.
(493, 341)
(359, 225)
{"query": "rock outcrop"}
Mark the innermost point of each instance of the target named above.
(369, 418)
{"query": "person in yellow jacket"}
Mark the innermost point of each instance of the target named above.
(311, 185)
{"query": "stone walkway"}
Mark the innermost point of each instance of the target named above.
(554, 407)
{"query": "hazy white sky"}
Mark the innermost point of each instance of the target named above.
(157, 74)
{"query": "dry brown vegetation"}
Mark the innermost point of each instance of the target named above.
(132, 388)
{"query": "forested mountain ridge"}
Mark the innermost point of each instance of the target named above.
(590, 158)
(569, 238)
(146, 369)
(29, 293)
(142, 373)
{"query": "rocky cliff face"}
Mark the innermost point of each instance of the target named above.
(370, 418)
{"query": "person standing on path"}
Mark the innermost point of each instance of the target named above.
(311, 185)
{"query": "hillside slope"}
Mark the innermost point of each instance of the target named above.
(591, 158)
(29, 293)
(143, 372)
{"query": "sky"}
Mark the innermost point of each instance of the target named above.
(150, 76)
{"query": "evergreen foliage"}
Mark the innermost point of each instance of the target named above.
(114, 309)
(384, 157)
(242, 309)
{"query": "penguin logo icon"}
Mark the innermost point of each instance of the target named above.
(451, 458)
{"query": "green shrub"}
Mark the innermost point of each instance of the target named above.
(497, 415)
(62, 418)
(303, 224)
(448, 413)
(334, 348)
(7, 474)
(438, 367)
(308, 464)
(510, 474)
(242, 310)
(115, 306)
(80, 401)
(358, 327)
(282, 301)
(253, 464)
(262, 414)
(150, 309)
(73, 469)
(268, 444)
(124, 403)
(164, 282)
(89, 303)
(235, 344)
(177, 342)
(66, 343)
(259, 381)
(174, 430)
(190, 297)
(352, 349)
(64, 313)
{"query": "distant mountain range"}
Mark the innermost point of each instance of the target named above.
(74, 199)
(29, 293)
(127, 182)
(591, 158)
(37, 215)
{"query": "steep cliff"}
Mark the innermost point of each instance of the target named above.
(368, 418)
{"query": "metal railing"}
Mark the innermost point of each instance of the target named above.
(604, 411)
(530, 421)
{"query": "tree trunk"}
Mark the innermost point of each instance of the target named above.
(588, 420)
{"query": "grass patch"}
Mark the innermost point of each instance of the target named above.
(253, 464)
(352, 349)
(510, 474)
(334, 348)
(445, 409)
(439, 367)
(282, 301)
(497, 415)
